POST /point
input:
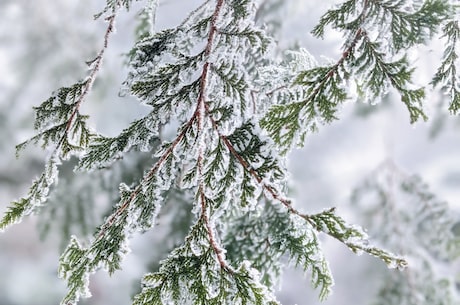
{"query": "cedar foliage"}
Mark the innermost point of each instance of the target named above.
(239, 109)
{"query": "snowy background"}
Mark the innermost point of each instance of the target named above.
(43, 45)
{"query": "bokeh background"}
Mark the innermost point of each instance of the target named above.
(44, 45)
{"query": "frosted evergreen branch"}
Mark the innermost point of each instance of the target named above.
(314, 96)
(112, 6)
(256, 38)
(323, 91)
(119, 220)
(212, 77)
(54, 117)
(412, 26)
(95, 66)
(201, 114)
(38, 193)
(352, 236)
(447, 75)
(191, 275)
(376, 73)
(165, 81)
(103, 151)
(136, 211)
(327, 222)
(407, 24)
(61, 123)
(247, 167)
(235, 85)
(167, 154)
(210, 230)
(267, 234)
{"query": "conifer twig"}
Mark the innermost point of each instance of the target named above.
(149, 175)
(96, 66)
(197, 116)
(353, 245)
(201, 115)
(212, 239)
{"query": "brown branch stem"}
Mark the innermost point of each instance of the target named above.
(201, 114)
(212, 240)
(149, 175)
(96, 66)
(198, 118)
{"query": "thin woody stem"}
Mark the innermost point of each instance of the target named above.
(201, 116)
(96, 66)
(197, 118)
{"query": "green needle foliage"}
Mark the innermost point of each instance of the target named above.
(238, 109)
(447, 74)
(378, 36)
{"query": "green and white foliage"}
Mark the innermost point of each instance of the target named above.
(447, 74)
(268, 228)
(402, 214)
(377, 38)
(83, 198)
(61, 128)
(236, 110)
